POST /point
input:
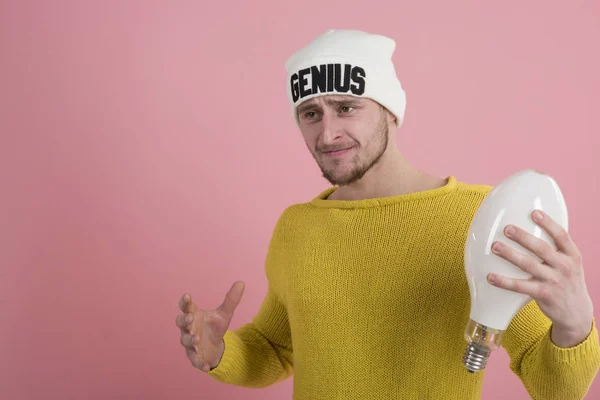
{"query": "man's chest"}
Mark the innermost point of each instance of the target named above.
(374, 274)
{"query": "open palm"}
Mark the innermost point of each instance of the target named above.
(202, 330)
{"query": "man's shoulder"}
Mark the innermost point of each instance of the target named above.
(466, 188)
(302, 207)
(293, 214)
(470, 193)
(464, 201)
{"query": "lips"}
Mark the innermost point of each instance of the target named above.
(338, 151)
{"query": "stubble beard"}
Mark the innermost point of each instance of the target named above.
(361, 162)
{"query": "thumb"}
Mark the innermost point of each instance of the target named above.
(232, 299)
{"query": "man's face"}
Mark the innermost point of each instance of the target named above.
(346, 135)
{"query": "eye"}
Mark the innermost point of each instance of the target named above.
(310, 114)
(346, 109)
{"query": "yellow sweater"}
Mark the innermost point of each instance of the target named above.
(368, 299)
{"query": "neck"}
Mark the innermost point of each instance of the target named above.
(393, 175)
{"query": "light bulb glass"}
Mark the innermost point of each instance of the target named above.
(493, 308)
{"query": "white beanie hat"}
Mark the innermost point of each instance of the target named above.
(346, 62)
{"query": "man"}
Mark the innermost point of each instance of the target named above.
(367, 297)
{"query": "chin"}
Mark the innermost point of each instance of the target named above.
(340, 180)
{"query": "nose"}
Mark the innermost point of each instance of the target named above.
(330, 129)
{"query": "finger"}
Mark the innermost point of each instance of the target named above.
(190, 341)
(184, 321)
(186, 305)
(523, 261)
(194, 358)
(536, 245)
(197, 360)
(232, 299)
(561, 237)
(529, 287)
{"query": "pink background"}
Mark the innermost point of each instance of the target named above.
(147, 150)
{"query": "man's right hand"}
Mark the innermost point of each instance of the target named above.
(202, 331)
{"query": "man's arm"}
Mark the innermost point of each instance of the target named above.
(259, 353)
(547, 371)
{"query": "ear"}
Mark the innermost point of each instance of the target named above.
(390, 117)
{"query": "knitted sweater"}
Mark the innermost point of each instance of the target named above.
(367, 299)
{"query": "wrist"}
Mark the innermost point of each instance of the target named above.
(570, 336)
(221, 352)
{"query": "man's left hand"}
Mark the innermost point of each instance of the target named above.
(557, 283)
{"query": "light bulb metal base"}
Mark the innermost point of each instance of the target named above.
(481, 341)
(476, 356)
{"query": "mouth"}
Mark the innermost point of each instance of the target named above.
(336, 153)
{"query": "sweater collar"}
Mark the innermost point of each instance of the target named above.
(322, 201)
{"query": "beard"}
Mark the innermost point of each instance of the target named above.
(345, 172)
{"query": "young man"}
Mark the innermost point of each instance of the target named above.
(367, 297)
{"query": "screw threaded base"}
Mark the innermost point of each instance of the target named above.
(475, 358)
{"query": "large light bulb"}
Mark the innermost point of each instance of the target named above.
(493, 308)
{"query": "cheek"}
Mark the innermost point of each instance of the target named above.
(366, 134)
(356, 130)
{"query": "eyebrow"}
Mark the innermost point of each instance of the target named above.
(330, 102)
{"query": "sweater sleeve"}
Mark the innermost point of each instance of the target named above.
(547, 371)
(259, 353)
